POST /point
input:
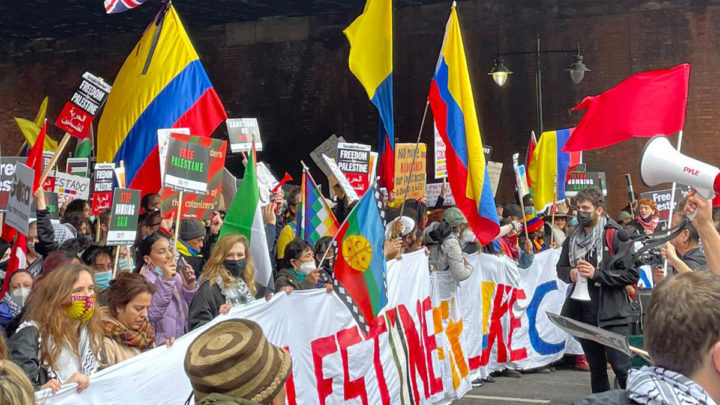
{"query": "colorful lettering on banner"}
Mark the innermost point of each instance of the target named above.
(422, 350)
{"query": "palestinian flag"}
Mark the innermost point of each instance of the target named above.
(360, 262)
(245, 217)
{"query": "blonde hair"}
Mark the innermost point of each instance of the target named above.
(15, 387)
(3, 347)
(47, 307)
(214, 266)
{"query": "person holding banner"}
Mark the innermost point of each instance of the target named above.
(168, 311)
(228, 280)
(60, 341)
(300, 271)
(586, 255)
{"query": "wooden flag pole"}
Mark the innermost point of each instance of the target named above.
(409, 176)
(115, 263)
(56, 156)
(553, 208)
(177, 220)
(522, 207)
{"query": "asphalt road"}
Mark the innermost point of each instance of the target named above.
(560, 387)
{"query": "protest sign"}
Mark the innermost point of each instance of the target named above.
(266, 182)
(354, 161)
(440, 159)
(487, 151)
(373, 166)
(242, 132)
(328, 148)
(19, 202)
(662, 200)
(123, 217)
(494, 170)
(78, 113)
(229, 187)
(585, 331)
(49, 183)
(580, 180)
(520, 177)
(340, 177)
(199, 205)
(102, 187)
(69, 188)
(432, 192)
(51, 203)
(186, 165)
(415, 185)
(164, 141)
(7, 171)
(78, 166)
(445, 338)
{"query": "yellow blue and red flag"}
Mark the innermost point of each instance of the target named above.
(550, 166)
(370, 60)
(161, 85)
(453, 107)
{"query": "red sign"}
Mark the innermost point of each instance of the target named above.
(78, 113)
(74, 120)
(49, 184)
(101, 201)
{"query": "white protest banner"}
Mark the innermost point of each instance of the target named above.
(69, 188)
(432, 192)
(444, 337)
(440, 159)
(20, 200)
(340, 177)
(241, 134)
(163, 142)
(494, 170)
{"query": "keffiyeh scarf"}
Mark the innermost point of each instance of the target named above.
(581, 244)
(143, 339)
(651, 222)
(659, 386)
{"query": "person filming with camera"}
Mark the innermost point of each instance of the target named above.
(598, 293)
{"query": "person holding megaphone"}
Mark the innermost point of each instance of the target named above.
(598, 292)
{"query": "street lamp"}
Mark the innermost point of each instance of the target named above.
(577, 70)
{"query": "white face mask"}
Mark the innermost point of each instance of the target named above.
(20, 295)
(468, 236)
(307, 267)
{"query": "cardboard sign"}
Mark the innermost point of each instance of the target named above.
(78, 113)
(266, 182)
(403, 160)
(340, 177)
(241, 134)
(186, 165)
(229, 187)
(78, 166)
(432, 192)
(69, 188)
(327, 148)
(164, 141)
(354, 161)
(440, 160)
(580, 180)
(520, 177)
(124, 217)
(51, 202)
(102, 187)
(7, 171)
(585, 331)
(19, 202)
(662, 200)
(494, 170)
(201, 205)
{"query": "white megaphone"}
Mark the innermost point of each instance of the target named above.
(661, 163)
(580, 292)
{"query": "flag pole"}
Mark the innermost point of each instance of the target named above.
(417, 144)
(672, 198)
(306, 170)
(553, 209)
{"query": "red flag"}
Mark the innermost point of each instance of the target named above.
(643, 105)
(528, 157)
(18, 260)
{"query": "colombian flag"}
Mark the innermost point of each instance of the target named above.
(371, 51)
(173, 92)
(549, 167)
(453, 107)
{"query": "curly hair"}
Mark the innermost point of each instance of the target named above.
(592, 194)
(650, 203)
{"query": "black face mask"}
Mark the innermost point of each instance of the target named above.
(584, 218)
(235, 267)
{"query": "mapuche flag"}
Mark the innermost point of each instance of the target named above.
(643, 105)
(360, 261)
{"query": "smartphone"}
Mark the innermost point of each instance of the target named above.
(183, 269)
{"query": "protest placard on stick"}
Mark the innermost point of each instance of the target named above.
(7, 171)
(19, 202)
(327, 148)
(413, 185)
(242, 132)
(102, 187)
(340, 177)
(123, 217)
(69, 188)
(186, 165)
(78, 166)
(354, 161)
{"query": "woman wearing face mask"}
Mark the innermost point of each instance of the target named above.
(125, 319)
(326, 258)
(227, 280)
(451, 259)
(59, 343)
(169, 307)
(300, 272)
(11, 305)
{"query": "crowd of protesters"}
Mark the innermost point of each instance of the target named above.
(75, 308)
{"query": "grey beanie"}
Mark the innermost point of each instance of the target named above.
(191, 229)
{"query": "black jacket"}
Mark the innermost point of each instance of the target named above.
(614, 397)
(197, 262)
(46, 234)
(613, 307)
(206, 302)
(24, 349)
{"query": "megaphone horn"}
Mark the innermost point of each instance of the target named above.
(284, 180)
(661, 163)
(580, 292)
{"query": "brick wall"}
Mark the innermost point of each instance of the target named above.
(292, 74)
